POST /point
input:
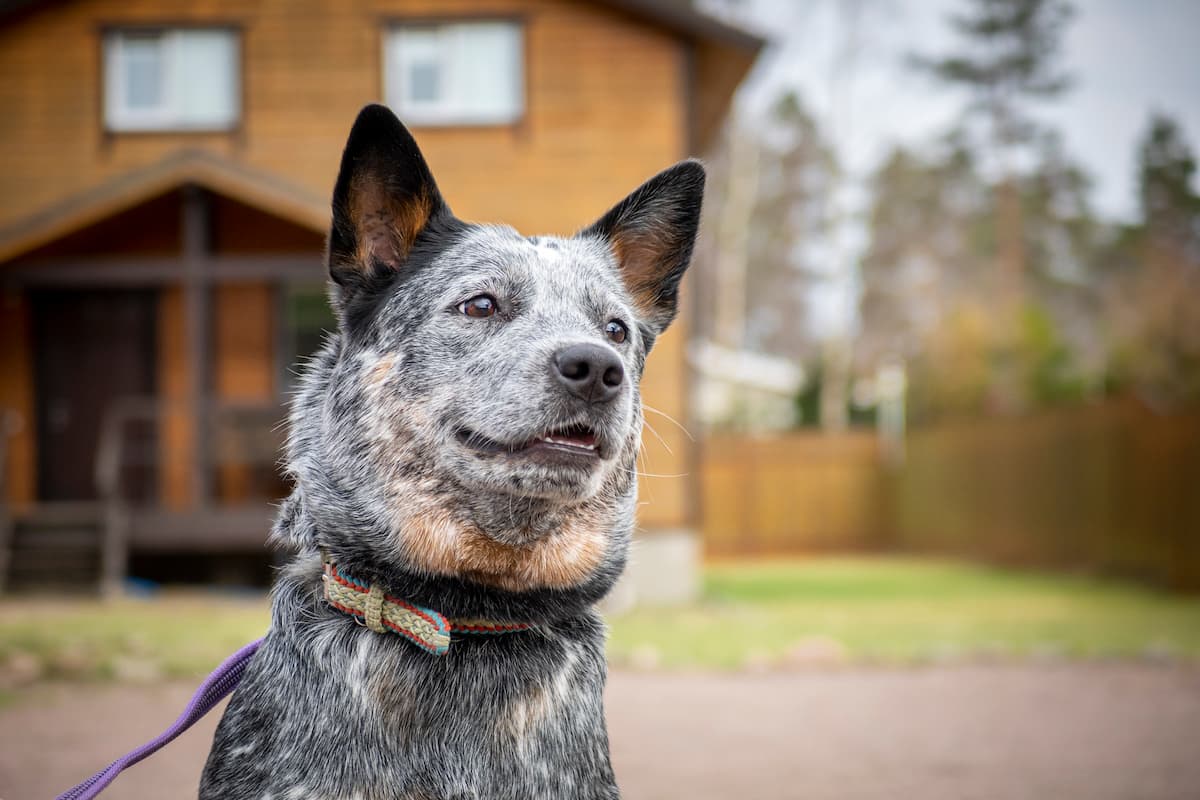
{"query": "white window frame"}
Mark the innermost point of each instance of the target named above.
(120, 118)
(448, 112)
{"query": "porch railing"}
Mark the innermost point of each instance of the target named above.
(150, 504)
(11, 423)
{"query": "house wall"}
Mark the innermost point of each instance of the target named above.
(605, 104)
(606, 107)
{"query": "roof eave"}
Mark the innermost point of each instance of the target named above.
(183, 167)
(680, 16)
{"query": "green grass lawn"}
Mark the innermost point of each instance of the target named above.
(752, 614)
(906, 611)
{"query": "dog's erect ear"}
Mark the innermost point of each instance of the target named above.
(652, 232)
(384, 197)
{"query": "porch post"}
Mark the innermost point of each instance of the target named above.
(197, 247)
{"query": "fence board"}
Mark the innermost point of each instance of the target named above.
(1111, 487)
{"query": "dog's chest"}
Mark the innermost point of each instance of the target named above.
(353, 714)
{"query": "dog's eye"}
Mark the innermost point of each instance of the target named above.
(615, 330)
(480, 306)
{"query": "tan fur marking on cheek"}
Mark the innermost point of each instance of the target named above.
(439, 545)
(430, 539)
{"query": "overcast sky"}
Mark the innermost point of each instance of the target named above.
(1127, 58)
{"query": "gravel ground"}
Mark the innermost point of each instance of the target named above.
(1127, 731)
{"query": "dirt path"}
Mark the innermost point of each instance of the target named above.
(1125, 732)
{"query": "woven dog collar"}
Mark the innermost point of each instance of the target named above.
(381, 612)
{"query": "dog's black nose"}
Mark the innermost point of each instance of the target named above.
(590, 371)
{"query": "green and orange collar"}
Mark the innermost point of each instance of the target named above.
(381, 612)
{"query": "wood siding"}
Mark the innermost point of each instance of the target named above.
(608, 103)
(605, 105)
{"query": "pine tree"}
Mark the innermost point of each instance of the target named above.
(1167, 170)
(1008, 59)
(1153, 301)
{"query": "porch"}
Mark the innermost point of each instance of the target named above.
(146, 356)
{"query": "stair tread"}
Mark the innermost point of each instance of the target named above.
(55, 514)
(57, 539)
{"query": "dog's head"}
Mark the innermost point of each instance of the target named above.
(477, 416)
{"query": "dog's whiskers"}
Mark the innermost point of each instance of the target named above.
(658, 436)
(670, 419)
(642, 474)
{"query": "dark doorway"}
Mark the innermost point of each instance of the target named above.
(92, 348)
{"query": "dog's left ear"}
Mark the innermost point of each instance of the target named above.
(385, 197)
(652, 232)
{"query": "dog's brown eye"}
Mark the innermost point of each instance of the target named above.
(615, 331)
(481, 306)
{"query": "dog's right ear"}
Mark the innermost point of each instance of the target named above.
(651, 232)
(384, 198)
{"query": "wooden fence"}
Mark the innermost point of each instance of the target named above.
(802, 492)
(1111, 487)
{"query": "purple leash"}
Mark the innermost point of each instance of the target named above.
(214, 689)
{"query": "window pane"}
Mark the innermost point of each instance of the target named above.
(466, 73)
(171, 80)
(142, 71)
(489, 71)
(424, 82)
(206, 78)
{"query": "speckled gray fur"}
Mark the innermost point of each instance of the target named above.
(387, 480)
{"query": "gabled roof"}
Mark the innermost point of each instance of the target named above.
(721, 57)
(198, 167)
(682, 17)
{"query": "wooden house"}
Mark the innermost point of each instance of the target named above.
(165, 172)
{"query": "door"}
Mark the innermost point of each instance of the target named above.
(92, 348)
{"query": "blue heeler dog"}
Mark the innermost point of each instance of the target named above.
(463, 453)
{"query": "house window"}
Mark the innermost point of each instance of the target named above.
(462, 73)
(171, 80)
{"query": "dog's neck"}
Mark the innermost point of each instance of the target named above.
(384, 613)
(456, 595)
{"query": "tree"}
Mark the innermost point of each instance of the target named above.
(1155, 292)
(1008, 58)
(927, 253)
(768, 225)
(1167, 170)
(1062, 242)
(925, 297)
(789, 229)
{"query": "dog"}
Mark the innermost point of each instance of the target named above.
(462, 453)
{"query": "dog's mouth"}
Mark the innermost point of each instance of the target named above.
(576, 442)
